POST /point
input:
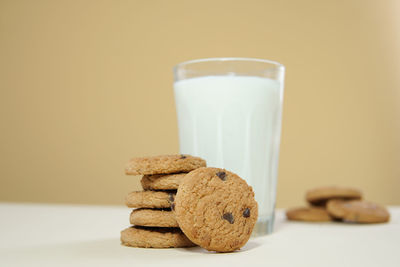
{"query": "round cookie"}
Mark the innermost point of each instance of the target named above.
(153, 218)
(308, 214)
(163, 164)
(357, 211)
(319, 196)
(150, 199)
(216, 209)
(142, 237)
(162, 181)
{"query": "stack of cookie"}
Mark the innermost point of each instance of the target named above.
(340, 204)
(154, 223)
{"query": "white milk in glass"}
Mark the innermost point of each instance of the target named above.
(234, 123)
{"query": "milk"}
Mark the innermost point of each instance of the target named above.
(234, 123)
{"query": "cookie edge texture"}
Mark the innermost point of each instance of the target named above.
(308, 214)
(162, 181)
(319, 196)
(153, 218)
(154, 238)
(149, 199)
(163, 164)
(338, 210)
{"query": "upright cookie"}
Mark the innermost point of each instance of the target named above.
(216, 209)
(163, 164)
(319, 196)
(308, 214)
(358, 211)
(142, 237)
(150, 199)
(162, 181)
(153, 218)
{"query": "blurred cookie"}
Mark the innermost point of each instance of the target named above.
(216, 209)
(150, 237)
(319, 196)
(357, 211)
(150, 199)
(163, 164)
(153, 218)
(308, 214)
(162, 181)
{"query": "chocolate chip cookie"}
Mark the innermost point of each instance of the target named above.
(163, 164)
(319, 196)
(153, 218)
(358, 211)
(308, 214)
(216, 209)
(150, 237)
(162, 181)
(150, 199)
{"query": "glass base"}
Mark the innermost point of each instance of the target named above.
(264, 227)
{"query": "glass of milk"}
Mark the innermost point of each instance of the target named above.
(229, 113)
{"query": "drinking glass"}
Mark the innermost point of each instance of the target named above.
(229, 113)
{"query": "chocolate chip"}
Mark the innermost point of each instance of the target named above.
(221, 175)
(246, 213)
(183, 156)
(229, 217)
(173, 206)
(171, 197)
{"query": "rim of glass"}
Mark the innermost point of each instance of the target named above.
(277, 64)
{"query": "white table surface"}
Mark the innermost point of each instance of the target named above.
(75, 235)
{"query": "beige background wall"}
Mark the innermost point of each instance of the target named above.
(85, 85)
